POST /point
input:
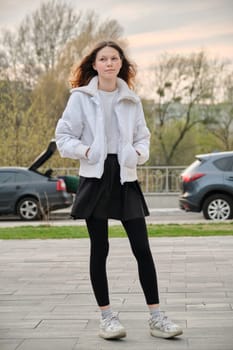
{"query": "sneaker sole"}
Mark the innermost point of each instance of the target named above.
(165, 335)
(113, 335)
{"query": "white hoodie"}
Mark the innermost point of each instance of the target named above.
(82, 126)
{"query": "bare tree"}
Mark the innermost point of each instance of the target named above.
(45, 35)
(35, 47)
(183, 90)
(222, 115)
(34, 65)
(14, 102)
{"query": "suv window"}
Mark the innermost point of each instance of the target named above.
(224, 164)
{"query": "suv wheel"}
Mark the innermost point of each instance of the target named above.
(218, 207)
(28, 208)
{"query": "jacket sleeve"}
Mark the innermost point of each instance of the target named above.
(141, 141)
(69, 131)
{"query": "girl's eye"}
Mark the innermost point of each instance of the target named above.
(103, 59)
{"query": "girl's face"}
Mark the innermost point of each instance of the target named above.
(107, 63)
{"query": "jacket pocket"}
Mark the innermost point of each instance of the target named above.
(129, 156)
(93, 155)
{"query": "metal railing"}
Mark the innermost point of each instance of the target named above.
(160, 179)
(153, 179)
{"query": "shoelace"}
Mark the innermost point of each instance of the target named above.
(162, 321)
(113, 320)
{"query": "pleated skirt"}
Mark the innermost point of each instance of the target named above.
(107, 198)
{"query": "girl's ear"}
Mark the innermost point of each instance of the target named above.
(93, 66)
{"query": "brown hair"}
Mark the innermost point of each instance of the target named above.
(84, 72)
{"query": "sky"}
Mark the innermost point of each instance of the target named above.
(152, 27)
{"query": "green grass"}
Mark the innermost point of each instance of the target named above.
(165, 230)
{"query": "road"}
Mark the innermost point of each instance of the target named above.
(61, 218)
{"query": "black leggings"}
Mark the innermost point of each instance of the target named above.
(137, 234)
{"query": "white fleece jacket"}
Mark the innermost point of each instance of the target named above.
(82, 126)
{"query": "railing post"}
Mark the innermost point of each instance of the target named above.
(166, 182)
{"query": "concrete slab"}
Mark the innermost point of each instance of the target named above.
(46, 301)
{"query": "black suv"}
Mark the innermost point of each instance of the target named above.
(207, 185)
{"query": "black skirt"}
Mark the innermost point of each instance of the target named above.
(107, 198)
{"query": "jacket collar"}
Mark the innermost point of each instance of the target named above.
(124, 91)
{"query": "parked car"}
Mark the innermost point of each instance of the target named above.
(31, 194)
(207, 186)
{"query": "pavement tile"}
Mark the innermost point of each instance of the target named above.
(47, 344)
(9, 344)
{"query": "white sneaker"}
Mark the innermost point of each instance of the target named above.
(162, 327)
(111, 328)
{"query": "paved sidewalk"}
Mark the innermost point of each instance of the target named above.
(46, 302)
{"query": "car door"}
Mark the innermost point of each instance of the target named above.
(7, 191)
(228, 175)
(225, 165)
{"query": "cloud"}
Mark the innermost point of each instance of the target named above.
(146, 58)
(12, 12)
(182, 34)
(216, 40)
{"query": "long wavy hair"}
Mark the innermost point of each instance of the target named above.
(82, 74)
